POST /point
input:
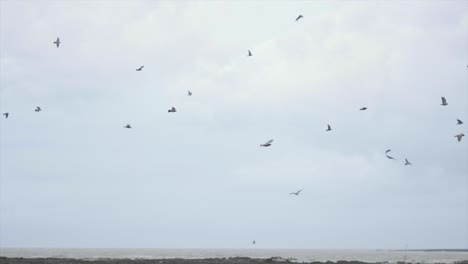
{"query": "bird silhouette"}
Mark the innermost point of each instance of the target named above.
(444, 101)
(128, 126)
(249, 53)
(296, 193)
(363, 108)
(329, 128)
(38, 109)
(299, 17)
(172, 110)
(459, 136)
(407, 162)
(6, 115)
(141, 68)
(189, 93)
(388, 156)
(267, 144)
(459, 122)
(57, 42)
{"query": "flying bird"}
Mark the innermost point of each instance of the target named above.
(459, 136)
(57, 42)
(249, 54)
(267, 144)
(141, 68)
(299, 17)
(444, 101)
(189, 93)
(363, 108)
(407, 162)
(253, 242)
(172, 110)
(38, 109)
(388, 150)
(6, 114)
(459, 122)
(128, 126)
(296, 193)
(329, 128)
(389, 157)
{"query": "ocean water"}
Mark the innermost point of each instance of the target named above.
(299, 255)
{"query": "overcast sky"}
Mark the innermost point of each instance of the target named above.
(72, 176)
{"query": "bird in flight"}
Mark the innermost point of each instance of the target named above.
(459, 122)
(390, 157)
(459, 136)
(128, 126)
(57, 42)
(296, 193)
(249, 53)
(172, 110)
(267, 144)
(363, 108)
(299, 17)
(329, 128)
(38, 109)
(444, 101)
(141, 68)
(253, 242)
(6, 114)
(189, 93)
(407, 162)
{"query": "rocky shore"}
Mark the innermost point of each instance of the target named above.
(236, 260)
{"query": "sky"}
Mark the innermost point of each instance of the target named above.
(73, 176)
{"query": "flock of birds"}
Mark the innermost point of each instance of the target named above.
(269, 142)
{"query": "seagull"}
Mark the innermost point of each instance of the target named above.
(57, 42)
(297, 193)
(128, 126)
(444, 102)
(189, 93)
(363, 108)
(407, 162)
(329, 128)
(38, 109)
(172, 110)
(250, 54)
(141, 68)
(299, 17)
(6, 114)
(390, 157)
(459, 136)
(267, 144)
(459, 122)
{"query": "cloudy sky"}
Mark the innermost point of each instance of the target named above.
(72, 176)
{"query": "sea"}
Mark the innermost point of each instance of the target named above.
(297, 255)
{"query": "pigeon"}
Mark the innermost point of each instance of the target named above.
(459, 122)
(329, 128)
(363, 108)
(249, 54)
(141, 68)
(6, 114)
(407, 162)
(172, 110)
(444, 102)
(38, 109)
(267, 144)
(57, 42)
(459, 136)
(299, 17)
(189, 93)
(296, 193)
(128, 126)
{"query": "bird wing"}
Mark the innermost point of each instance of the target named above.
(329, 127)
(459, 137)
(388, 150)
(443, 100)
(298, 192)
(269, 142)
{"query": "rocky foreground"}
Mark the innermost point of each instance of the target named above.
(237, 260)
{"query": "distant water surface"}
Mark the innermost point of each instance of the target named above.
(299, 255)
